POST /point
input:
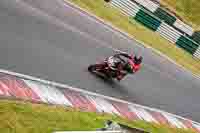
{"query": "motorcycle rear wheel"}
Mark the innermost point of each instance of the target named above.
(91, 68)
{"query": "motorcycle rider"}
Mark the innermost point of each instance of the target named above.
(125, 63)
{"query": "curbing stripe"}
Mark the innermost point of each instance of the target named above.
(11, 86)
(79, 101)
(5, 90)
(124, 110)
(128, 6)
(189, 125)
(184, 27)
(48, 94)
(197, 127)
(142, 114)
(174, 121)
(197, 53)
(117, 5)
(168, 32)
(53, 95)
(151, 6)
(50, 83)
(160, 118)
(103, 105)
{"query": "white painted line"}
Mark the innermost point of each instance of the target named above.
(51, 83)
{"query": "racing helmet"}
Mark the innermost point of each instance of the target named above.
(138, 60)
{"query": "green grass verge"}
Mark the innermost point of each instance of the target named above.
(138, 31)
(24, 117)
(188, 9)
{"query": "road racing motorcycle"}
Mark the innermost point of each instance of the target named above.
(106, 69)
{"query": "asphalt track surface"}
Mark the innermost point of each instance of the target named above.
(50, 40)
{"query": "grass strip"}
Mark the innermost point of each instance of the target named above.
(25, 117)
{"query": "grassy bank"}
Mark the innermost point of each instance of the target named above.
(109, 14)
(187, 9)
(23, 117)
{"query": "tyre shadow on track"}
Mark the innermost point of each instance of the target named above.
(115, 88)
(111, 83)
